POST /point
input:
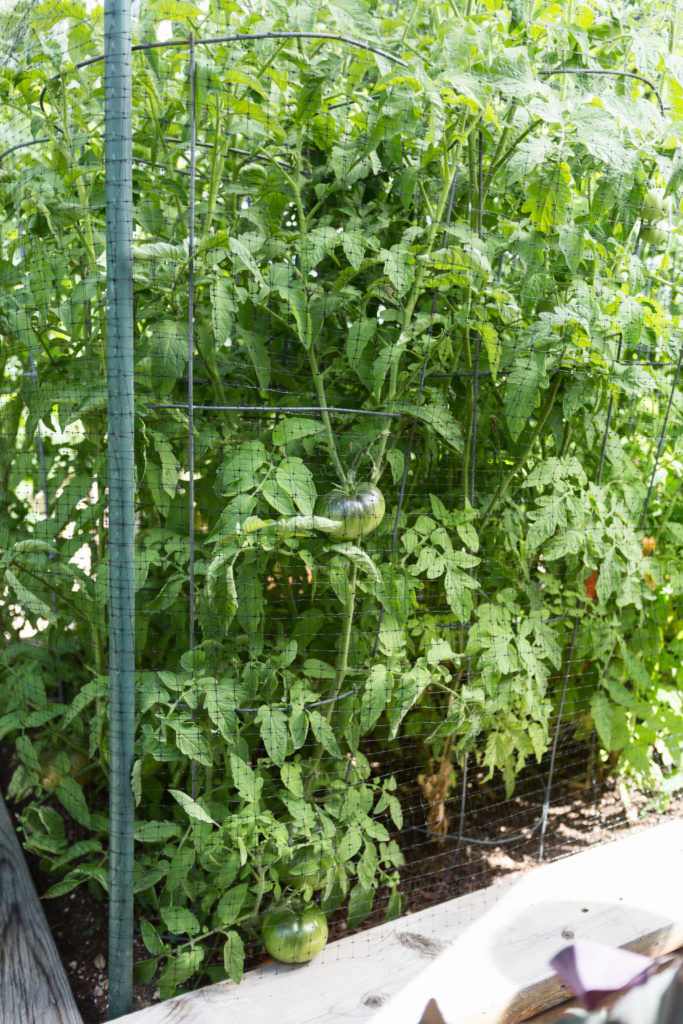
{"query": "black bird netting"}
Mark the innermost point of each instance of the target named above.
(407, 453)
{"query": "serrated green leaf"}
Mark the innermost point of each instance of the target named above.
(548, 193)
(375, 697)
(314, 245)
(353, 245)
(468, 268)
(241, 249)
(438, 416)
(233, 956)
(398, 267)
(168, 351)
(296, 480)
(493, 346)
(70, 796)
(413, 683)
(230, 904)
(273, 729)
(360, 558)
(178, 969)
(246, 782)
(293, 428)
(191, 807)
(360, 905)
(322, 730)
(291, 777)
(523, 387)
(360, 332)
(179, 920)
(349, 844)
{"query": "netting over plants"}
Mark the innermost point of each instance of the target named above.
(407, 452)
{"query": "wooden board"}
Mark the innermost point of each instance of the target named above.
(33, 986)
(483, 956)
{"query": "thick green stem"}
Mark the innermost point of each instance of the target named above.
(500, 148)
(467, 441)
(566, 439)
(472, 174)
(340, 674)
(343, 658)
(413, 296)
(85, 227)
(512, 472)
(510, 150)
(260, 891)
(324, 415)
(318, 381)
(217, 164)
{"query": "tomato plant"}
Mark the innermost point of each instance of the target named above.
(294, 936)
(432, 371)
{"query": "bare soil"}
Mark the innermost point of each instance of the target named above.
(501, 838)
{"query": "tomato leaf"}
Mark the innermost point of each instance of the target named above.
(296, 480)
(360, 905)
(273, 729)
(233, 956)
(191, 807)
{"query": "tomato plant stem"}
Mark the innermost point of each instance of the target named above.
(511, 148)
(415, 292)
(325, 416)
(341, 671)
(216, 172)
(316, 373)
(343, 658)
(512, 472)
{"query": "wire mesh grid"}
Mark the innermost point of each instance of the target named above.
(406, 451)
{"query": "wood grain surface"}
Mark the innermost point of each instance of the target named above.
(33, 986)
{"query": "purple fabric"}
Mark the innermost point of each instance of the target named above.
(593, 971)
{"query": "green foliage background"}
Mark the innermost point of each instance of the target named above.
(450, 246)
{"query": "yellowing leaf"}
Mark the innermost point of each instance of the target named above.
(491, 340)
(548, 195)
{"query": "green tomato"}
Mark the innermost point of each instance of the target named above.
(306, 867)
(56, 765)
(655, 206)
(359, 512)
(252, 173)
(294, 936)
(653, 234)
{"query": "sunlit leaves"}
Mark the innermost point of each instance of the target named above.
(548, 193)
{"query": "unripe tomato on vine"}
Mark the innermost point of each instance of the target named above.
(656, 206)
(359, 511)
(294, 936)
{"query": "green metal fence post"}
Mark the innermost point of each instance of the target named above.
(119, 231)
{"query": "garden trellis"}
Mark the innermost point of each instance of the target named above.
(341, 450)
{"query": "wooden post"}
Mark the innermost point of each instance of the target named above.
(33, 986)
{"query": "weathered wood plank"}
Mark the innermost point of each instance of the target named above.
(627, 893)
(483, 956)
(33, 986)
